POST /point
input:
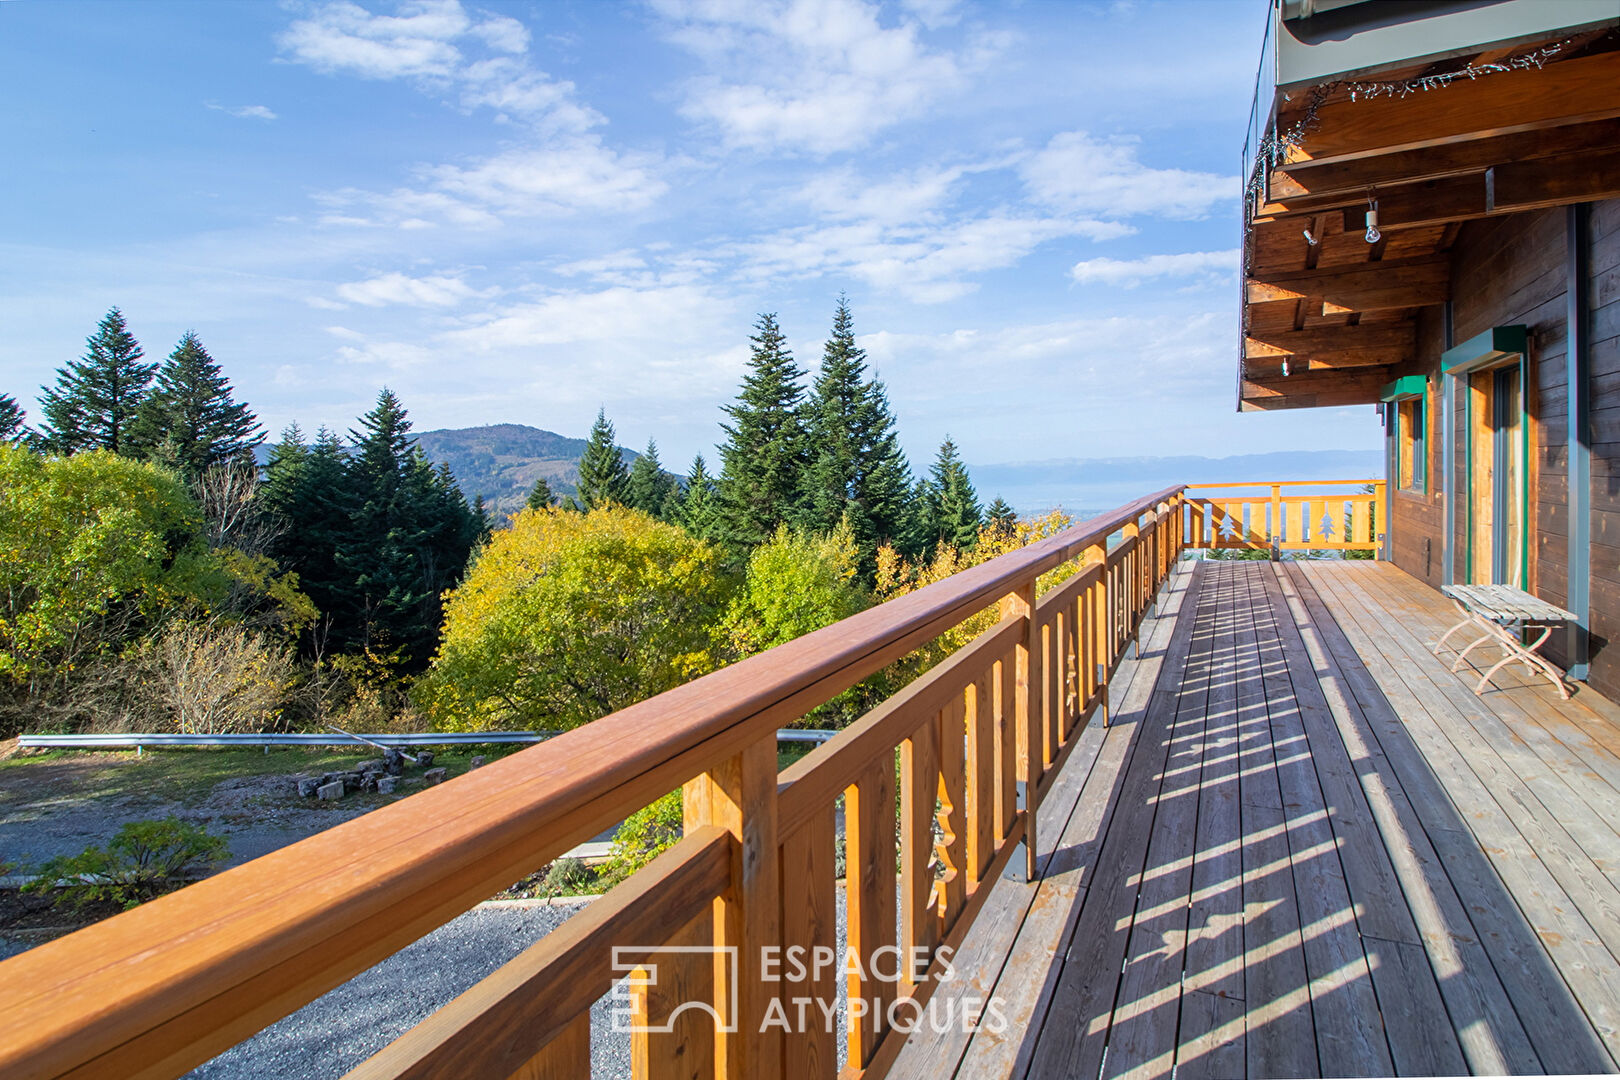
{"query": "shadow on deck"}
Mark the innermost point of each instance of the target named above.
(1306, 848)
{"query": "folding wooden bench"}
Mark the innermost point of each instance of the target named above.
(1503, 613)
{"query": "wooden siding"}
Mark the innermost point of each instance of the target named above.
(1512, 270)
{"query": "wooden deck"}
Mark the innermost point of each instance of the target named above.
(1306, 848)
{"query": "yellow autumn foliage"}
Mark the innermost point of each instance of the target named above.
(566, 617)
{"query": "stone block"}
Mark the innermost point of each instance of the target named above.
(334, 790)
(307, 786)
(425, 758)
(435, 776)
(386, 784)
(393, 763)
(477, 760)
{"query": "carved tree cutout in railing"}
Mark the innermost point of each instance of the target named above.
(1325, 530)
(950, 839)
(1228, 526)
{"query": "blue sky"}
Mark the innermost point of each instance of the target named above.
(519, 213)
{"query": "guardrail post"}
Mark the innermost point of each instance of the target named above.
(739, 795)
(1027, 667)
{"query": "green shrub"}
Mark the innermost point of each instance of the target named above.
(643, 835)
(145, 859)
(567, 877)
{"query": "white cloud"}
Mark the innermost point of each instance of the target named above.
(926, 263)
(1078, 173)
(822, 75)
(438, 45)
(561, 168)
(397, 288)
(1129, 273)
(246, 112)
(615, 314)
(394, 355)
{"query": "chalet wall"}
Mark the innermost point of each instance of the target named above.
(1512, 270)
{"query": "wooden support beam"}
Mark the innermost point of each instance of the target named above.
(1397, 340)
(1556, 181)
(1356, 173)
(1312, 390)
(1425, 202)
(1268, 366)
(1371, 287)
(1507, 102)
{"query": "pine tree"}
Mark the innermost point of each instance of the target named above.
(11, 418)
(95, 400)
(699, 507)
(188, 420)
(483, 523)
(305, 489)
(540, 496)
(763, 460)
(649, 486)
(952, 513)
(1002, 516)
(603, 478)
(857, 470)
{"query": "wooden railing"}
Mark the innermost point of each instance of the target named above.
(939, 788)
(1343, 520)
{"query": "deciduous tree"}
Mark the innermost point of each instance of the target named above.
(566, 617)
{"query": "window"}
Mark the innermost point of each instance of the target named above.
(1411, 434)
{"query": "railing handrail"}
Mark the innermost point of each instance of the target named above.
(229, 955)
(300, 738)
(1281, 483)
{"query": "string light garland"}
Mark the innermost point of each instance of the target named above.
(1274, 145)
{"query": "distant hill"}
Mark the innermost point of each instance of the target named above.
(502, 461)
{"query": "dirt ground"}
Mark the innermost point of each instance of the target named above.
(60, 802)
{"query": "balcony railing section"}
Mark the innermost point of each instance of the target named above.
(939, 787)
(1300, 515)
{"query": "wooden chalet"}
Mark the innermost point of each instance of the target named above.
(1160, 816)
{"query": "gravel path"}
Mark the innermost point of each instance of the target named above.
(340, 1029)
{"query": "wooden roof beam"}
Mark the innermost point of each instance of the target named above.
(1512, 101)
(1394, 342)
(1308, 390)
(1369, 287)
(1353, 174)
(1557, 181)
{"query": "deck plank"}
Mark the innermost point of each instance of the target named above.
(1212, 1015)
(1010, 952)
(1354, 775)
(1074, 1029)
(1281, 1029)
(1349, 1030)
(1301, 851)
(1492, 1036)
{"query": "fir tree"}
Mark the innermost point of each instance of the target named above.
(1002, 516)
(857, 470)
(11, 418)
(397, 533)
(699, 506)
(603, 478)
(952, 513)
(649, 486)
(483, 523)
(305, 488)
(764, 457)
(188, 420)
(95, 400)
(540, 496)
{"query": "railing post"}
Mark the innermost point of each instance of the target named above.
(1380, 516)
(1097, 624)
(739, 795)
(1020, 604)
(1133, 581)
(1275, 536)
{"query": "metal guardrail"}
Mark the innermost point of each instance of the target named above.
(139, 740)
